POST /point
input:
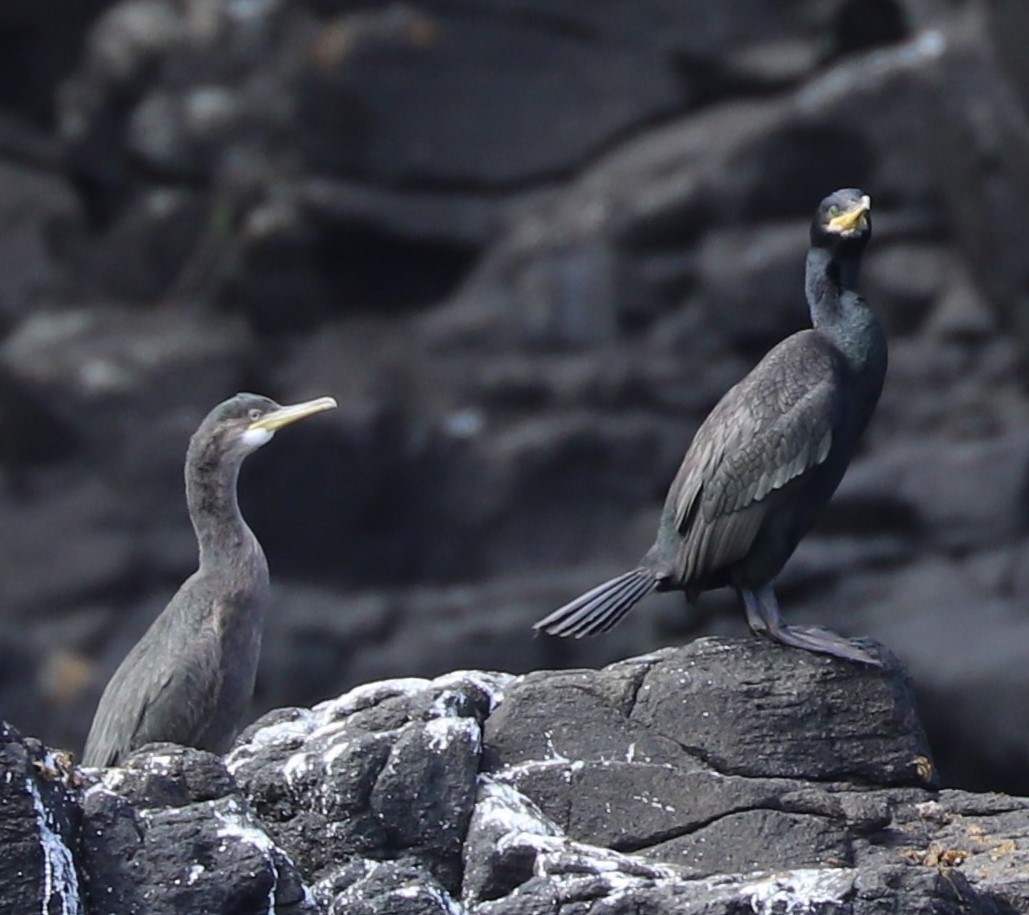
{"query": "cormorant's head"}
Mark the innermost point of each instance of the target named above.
(843, 221)
(243, 423)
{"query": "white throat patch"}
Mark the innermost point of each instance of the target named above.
(255, 438)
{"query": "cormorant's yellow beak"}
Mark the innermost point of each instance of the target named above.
(852, 219)
(286, 415)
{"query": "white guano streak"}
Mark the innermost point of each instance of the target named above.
(59, 877)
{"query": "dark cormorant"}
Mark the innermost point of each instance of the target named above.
(769, 455)
(190, 677)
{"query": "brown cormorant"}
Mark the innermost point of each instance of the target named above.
(769, 455)
(189, 678)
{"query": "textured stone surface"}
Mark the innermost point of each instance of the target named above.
(527, 246)
(39, 822)
(169, 832)
(387, 771)
(559, 791)
(696, 699)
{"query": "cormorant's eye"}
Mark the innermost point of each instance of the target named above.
(255, 415)
(834, 211)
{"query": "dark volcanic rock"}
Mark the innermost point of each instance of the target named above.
(981, 155)
(88, 365)
(168, 832)
(941, 491)
(781, 839)
(452, 125)
(39, 823)
(388, 771)
(35, 204)
(843, 848)
(425, 791)
(558, 792)
(437, 93)
(384, 888)
(650, 754)
(624, 230)
(825, 708)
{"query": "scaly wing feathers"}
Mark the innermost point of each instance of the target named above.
(769, 429)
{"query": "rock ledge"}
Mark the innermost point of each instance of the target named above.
(720, 777)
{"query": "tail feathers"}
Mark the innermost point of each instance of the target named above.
(601, 608)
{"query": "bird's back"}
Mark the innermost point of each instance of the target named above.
(122, 713)
(766, 459)
(188, 679)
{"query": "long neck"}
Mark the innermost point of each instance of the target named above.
(837, 310)
(222, 534)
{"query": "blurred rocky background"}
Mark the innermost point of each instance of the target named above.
(527, 245)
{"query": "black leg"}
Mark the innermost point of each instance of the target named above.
(764, 617)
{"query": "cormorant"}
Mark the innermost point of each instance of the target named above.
(769, 455)
(189, 678)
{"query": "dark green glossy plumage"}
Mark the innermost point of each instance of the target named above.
(769, 455)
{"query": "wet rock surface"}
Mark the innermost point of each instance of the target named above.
(527, 247)
(557, 791)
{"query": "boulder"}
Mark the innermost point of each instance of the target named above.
(726, 776)
(168, 832)
(387, 771)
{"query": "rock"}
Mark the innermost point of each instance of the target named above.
(163, 98)
(310, 643)
(372, 887)
(681, 699)
(962, 312)
(168, 832)
(412, 63)
(39, 823)
(38, 206)
(424, 793)
(433, 490)
(908, 279)
(784, 840)
(492, 869)
(33, 433)
(750, 162)
(939, 485)
(101, 556)
(162, 82)
(972, 618)
(641, 755)
(42, 50)
(404, 757)
(318, 247)
(749, 281)
(678, 698)
(153, 252)
(584, 799)
(20, 658)
(555, 791)
(566, 700)
(319, 645)
(984, 211)
(86, 358)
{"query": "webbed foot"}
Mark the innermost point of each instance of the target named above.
(823, 641)
(765, 618)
